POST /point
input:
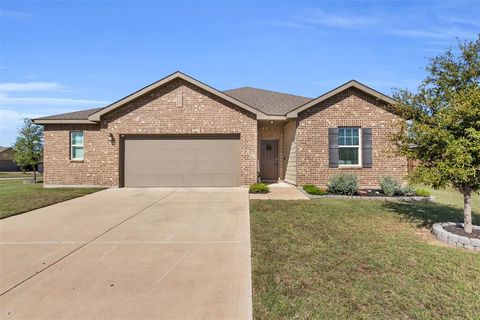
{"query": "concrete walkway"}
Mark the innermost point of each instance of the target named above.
(130, 254)
(281, 191)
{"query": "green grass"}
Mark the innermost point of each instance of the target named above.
(454, 198)
(17, 174)
(353, 259)
(17, 197)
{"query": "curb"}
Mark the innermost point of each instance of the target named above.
(455, 240)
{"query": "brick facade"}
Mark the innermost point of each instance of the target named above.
(178, 107)
(348, 108)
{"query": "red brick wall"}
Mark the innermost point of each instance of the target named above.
(176, 108)
(349, 108)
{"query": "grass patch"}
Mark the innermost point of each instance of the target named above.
(17, 197)
(312, 189)
(17, 174)
(258, 188)
(353, 259)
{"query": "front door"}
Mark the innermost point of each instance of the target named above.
(269, 160)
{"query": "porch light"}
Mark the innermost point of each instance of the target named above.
(110, 137)
(271, 121)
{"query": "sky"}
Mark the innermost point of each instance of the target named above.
(62, 56)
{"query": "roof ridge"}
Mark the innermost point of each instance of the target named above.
(273, 91)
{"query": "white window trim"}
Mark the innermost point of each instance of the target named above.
(359, 165)
(76, 145)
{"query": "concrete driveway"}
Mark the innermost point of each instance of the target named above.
(130, 254)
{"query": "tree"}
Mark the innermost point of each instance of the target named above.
(444, 128)
(28, 146)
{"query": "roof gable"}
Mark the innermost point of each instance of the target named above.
(265, 104)
(177, 75)
(3, 149)
(350, 84)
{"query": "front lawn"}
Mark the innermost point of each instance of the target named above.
(17, 197)
(354, 259)
(17, 174)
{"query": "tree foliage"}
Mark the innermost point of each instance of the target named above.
(444, 128)
(444, 132)
(28, 146)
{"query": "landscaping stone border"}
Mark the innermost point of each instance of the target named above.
(337, 196)
(455, 240)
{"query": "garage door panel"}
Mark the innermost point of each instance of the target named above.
(151, 161)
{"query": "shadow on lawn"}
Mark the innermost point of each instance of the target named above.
(428, 213)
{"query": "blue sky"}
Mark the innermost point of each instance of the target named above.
(61, 56)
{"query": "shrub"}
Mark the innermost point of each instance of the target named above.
(259, 188)
(390, 186)
(422, 193)
(312, 189)
(346, 183)
(406, 191)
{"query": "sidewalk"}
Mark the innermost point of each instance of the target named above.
(280, 191)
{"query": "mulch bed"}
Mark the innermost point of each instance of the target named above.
(460, 232)
(370, 193)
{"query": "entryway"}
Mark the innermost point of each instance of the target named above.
(269, 160)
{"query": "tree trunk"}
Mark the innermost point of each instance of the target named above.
(467, 210)
(34, 174)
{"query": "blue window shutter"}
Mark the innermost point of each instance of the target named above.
(333, 147)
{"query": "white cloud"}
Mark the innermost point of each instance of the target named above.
(437, 33)
(320, 17)
(49, 101)
(441, 28)
(29, 86)
(9, 95)
(462, 21)
(22, 100)
(286, 24)
(15, 14)
(10, 121)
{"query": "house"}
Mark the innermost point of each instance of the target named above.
(6, 159)
(179, 131)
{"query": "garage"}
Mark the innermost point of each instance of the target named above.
(180, 160)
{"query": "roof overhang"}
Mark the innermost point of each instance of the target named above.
(270, 117)
(351, 84)
(59, 121)
(177, 75)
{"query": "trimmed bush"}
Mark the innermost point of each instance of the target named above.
(258, 188)
(406, 191)
(345, 183)
(313, 189)
(390, 186)
(422, 193)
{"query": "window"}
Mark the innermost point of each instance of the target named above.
(349, 146)
(76, 145)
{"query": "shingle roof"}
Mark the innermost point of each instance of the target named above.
(4, 149)
(266, 102)
(76, 115)
(269, 102)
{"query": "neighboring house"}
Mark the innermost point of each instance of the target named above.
(181, 132)
(6, 159)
